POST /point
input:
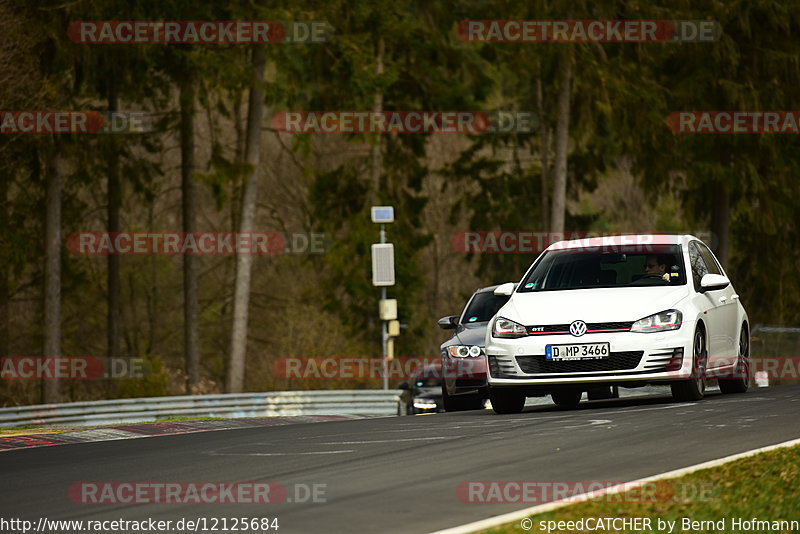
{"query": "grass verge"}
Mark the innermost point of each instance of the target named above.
(764, 486)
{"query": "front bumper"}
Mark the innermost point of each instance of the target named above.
(635, 359)
(465, 375)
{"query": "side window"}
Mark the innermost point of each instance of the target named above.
(699, 267)
(711, 262)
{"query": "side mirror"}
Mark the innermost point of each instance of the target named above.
(448, 323)
(403, 385)
(505, 290)
(713, 282)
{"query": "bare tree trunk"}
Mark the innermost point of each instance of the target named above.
(544, 151)
(190, 306)
(234, 382)
(720, 225)
(236, 193)
(377, 107)
(113, 263)
(52, 271)
(152, 290)
(562, 145)
(5, 271)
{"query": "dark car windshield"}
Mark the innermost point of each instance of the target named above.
(483, 307)
(581, 268)
(428, 382)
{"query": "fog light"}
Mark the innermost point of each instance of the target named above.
(494, 369)
(676, 360)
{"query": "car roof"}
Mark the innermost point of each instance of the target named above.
(623, 240)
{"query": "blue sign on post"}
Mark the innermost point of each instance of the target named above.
(382, 214)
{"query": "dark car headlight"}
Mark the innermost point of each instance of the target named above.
(464, 351)
(422, 403)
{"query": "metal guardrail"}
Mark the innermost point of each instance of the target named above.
(270, 404)
(775, 329)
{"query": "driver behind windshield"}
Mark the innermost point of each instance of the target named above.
(657, 265)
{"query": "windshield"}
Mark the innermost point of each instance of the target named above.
(483, 307)
(582, 268)
(428, 382)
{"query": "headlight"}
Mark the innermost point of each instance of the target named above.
(462, 351)
(424, 404)
(507, 328)
(659, 322)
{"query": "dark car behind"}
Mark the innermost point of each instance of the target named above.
(464, 385)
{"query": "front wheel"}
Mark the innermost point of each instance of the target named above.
(602, 393)
(741, 374)
(506, 400)
(567, 399)
(694, 388)
(460, 403)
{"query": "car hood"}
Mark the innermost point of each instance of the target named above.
(591, 305)
(428, 393)
(469, 334)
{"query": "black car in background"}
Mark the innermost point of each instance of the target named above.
(423, 391)
(464, 385)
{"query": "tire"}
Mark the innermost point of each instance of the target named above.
(567, 399)
(741, 374)
(602, 393)
(460, 403)
(506, 400)
(694, 388)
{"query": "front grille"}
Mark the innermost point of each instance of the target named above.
(616, 361)
(591, 328)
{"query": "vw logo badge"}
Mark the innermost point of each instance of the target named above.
(577, 328)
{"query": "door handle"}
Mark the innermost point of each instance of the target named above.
(723, 300)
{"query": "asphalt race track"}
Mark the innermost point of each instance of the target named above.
(400, 474)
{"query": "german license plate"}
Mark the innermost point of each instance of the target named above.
(578, 351)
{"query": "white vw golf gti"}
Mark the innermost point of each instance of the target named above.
(626, 311)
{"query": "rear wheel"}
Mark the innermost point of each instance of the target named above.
(507, 400)
(460, 403)
(694, 388)
(741, 374)
(567, 398)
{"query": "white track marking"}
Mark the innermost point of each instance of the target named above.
(541, 508)
(365, 442)
(214, 453)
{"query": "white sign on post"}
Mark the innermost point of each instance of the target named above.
(383, 264)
